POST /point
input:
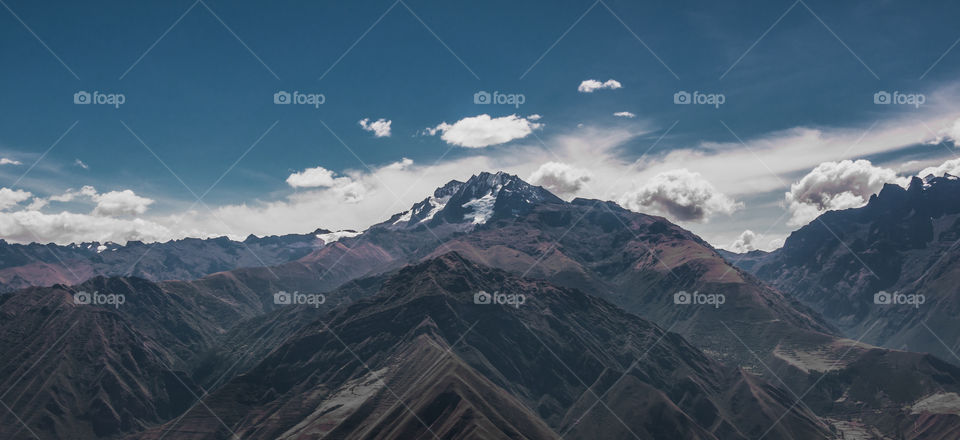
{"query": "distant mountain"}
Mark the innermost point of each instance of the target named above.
(746, 260)
(905, 243)
(190, 258)
(423, 359)
(754, 352)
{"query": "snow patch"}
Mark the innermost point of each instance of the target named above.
(436, 205)
(482, 209)
(334, 236)
(405, 217)
(101, 248)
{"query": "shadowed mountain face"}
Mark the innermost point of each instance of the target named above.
(902, 247)
(422, 359)
(603, 289)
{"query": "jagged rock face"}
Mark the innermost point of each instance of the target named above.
(903, 241)
(482, 198)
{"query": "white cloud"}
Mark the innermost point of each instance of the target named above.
(625, 115)
(950, 134)
(591, 85)
(560, 178)
(124, 202)
(403, 164)
(682, 195)
(745, 243)
(5, 161)
(380, 127)
(318, 177)
(66, 227)
(11, 197)
(113, 203)
(483, 131)
(951, 167)
(834, 186)
(534, 117)
(80, 164)
(775, 243)
(348, 189)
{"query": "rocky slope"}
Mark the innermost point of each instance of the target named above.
(756, 354)
(903, 246)
(422, 359)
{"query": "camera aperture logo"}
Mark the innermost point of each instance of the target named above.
(298, 299)
(514, 99)
(114, 99)
(884, 98)
(509, 299)
(99, 299)
(884, 298)
(698, 299)
(315, 99)
(714, 99)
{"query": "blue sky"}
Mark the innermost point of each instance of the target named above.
(198, 78)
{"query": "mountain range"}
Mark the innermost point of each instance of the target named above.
(886, 272)
(492, 309)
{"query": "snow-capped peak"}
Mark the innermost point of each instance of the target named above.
(481, 198)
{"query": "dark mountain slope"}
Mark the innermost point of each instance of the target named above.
(903, 241)
(640, 262)
(422, 353)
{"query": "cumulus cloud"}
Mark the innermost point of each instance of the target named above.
(101, 224)
(483, 131)
(682, 195)
(5, 161)
(950, 134)
(560, 178)
(11, 197)
(625, 115)
(951, 167)
(745, 243)
(348, 189)
(318, 177)
(67, 227)
(380, 127)
(836, 185)
(113, 203)
(592, 85)
(124, 202)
